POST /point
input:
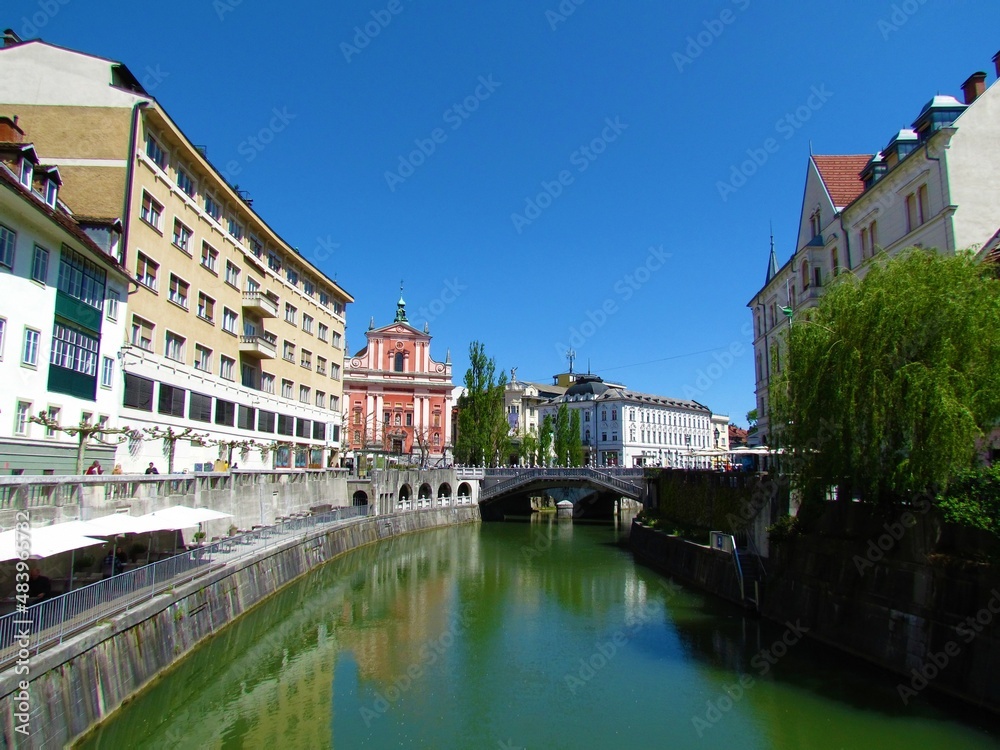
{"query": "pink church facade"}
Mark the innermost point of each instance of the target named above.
(398, 397)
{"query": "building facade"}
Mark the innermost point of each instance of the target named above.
(62, 318)
(931, 186)
(234, 343)
(398, 398)
(620, 427)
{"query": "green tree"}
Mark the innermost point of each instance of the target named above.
(482, 424)
(560, 442)
(575, 442)
(887, 385)
(545, 441)
(752, 421)
(529, 449)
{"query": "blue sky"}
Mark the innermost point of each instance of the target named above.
(541, 174)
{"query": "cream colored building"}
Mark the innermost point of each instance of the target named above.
(232, 334)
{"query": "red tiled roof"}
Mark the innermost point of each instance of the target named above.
(840, 174)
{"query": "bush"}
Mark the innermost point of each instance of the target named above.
(786, 528)
(973, 499)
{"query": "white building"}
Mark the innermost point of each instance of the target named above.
(933, 185)
(62, 317)
(619, 427)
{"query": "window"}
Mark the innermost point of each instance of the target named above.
(40, 265)
(229, 320)
(142, 333)
(202, 358)
(308, 288)
(292, 275)
(155, 152)
(171, 400)
(212, 208)
(386, 417)
(307, 323)
(209, 257)
(321, 365)
(319, 430)
(290, 313)
(182, 236)
(834, 263)
(146, 270)
(923, 207)
(805, 274)
(286, 424)
(289, 351)
(51, 192)
(873, 237)
(865, 244)
(138, 393)
(232, 274)
(53, 414)
(200, 407)
(227, 368)
(256, 247)
(29, 352)
(912, 217)
(323, 331)
(27, 172)
(178, 291)
(817, 277)
(302, 427)
(267, 382)
(185, 182)
(21, 418)
(334, 402)
(206, 307)
(324, 299)
(321, 399)
(286, 388)
(151, 211)
(814, 224)
(335, 371)
(225, 412)
(235, 229)
(253, 286)
(398, 362)
(245, 417)
(81, 279)
(7, 237)
(306, 359)
(72, 349)
(274, 261)
(173, 346)
(409, 419)
(265, 421)
(336, 340)
(113, 299)
(304, 394)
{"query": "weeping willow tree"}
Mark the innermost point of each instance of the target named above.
(886, 387)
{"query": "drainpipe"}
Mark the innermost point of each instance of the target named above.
(129, 173)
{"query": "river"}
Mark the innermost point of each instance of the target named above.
(522, 635)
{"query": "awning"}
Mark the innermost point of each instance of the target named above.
(43, 541)
(181, 517)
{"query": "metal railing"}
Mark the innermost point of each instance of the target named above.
(524, 476)
(30, 629)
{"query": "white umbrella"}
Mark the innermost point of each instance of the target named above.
(181, 517)
(43, 541)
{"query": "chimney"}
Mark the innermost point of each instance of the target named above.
(996, 62)
(10, 38)
(9, 130)
(974, 87)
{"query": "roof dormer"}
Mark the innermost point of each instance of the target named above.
(874, 171)
(901, 145)
(940, 112)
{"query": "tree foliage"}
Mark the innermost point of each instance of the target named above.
(560, 441)
(545, 441)
(575, 442)
(888, 384)
(482, 424)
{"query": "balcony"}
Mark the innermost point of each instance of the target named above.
(263, 346)
(260, 303)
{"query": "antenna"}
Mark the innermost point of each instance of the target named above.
(571, 356)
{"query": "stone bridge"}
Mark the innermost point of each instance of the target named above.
(593, 492)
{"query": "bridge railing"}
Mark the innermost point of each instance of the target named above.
(523, 476)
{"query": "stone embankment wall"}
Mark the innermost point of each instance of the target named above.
(77, 684)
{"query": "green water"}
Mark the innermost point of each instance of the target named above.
(541, 635)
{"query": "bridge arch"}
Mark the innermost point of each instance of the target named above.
(360, 498)
(444, 491)
(464, 490)
(404, 493)
(425, 492)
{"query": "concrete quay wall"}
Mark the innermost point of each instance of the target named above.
(79, 683)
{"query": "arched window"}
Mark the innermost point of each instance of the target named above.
(397, 365)
(805, 274)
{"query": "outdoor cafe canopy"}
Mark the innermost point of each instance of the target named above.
(44, 541)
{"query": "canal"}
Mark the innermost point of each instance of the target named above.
(521, 635)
